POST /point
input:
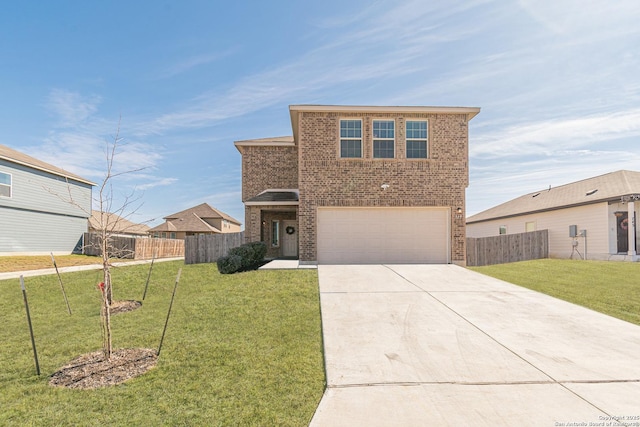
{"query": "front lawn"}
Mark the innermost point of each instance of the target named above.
(242, 349)
(612, 288)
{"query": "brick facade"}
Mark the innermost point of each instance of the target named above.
(314, 167)
(268, 167)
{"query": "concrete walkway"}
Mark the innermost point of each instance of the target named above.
(46, 271)
(287, 264)
(439, 345)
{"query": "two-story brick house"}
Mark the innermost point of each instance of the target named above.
(357, 184)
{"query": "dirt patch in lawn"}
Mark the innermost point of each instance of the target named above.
(92, 370)
(124, 306)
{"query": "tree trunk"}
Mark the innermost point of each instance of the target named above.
(107, 299)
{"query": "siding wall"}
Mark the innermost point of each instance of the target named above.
(28, 232)
(593, 218)
(40, 191)
(35, 219)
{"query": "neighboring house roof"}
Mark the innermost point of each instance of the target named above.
(17, 157)
(271, 196)
(193, 220)
(117, 224)
(601, 188)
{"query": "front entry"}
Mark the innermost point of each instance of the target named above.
(290, 239)
(622, 220)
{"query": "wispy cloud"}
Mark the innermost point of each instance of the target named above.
(551, 136)
(80, 140)
(71, 108)
(405, 32)
(193, 62)
(511, 179)
(576, 16)
(156, 182)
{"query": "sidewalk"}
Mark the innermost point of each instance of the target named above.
(46, 271)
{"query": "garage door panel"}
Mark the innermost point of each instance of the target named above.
(383, 235)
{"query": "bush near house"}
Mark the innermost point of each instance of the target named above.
(244, 257)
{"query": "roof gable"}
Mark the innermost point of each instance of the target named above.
(601, 188)
(117, 224)
(17, 157)
(203, 210)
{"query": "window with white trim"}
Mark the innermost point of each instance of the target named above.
(5, 184)
(417, 139)
(383, 139)
(530, 226)
(350, 138)
(502, 229)
(275, 233)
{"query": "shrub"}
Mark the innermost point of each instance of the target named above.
(245, 253)
(260, 250)
(229, 264)
(242, 257)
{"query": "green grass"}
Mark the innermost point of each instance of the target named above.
(242, 349)
(612, 288)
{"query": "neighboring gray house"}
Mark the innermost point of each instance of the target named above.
(595, 218)
(35, 218)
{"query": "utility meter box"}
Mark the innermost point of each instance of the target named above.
(573, 231)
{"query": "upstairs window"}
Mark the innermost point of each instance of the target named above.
(383, 139)
(5, 184)
(417, 147)
(350, 138)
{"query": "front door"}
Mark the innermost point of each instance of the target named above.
(290, 239)
(622, 219)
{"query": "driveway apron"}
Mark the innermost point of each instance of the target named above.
(423, 345)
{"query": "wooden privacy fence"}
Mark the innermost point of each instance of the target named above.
(134, 247)
(162, 248)
(210, 247)
(507, 248)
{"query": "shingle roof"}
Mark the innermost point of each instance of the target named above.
(203, 210)
(275, 196)
(117, 224)
(11, 155)
(601, 188)
(193, 220)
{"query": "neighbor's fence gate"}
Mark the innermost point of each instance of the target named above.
(507, 248)
(210, 247)
(135, 247)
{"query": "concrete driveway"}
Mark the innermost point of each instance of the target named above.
(432, 345)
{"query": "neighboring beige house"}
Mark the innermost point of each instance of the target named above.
(593, 218)
(201, 219)
(116, 225)
(358, 184)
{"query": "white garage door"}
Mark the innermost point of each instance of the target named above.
(383, 235)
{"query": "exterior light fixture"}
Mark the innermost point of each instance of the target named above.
(459, 210)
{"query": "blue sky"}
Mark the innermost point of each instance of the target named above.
(558, 82)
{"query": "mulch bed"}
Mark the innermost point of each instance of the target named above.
(124, 306)
(91, 370)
